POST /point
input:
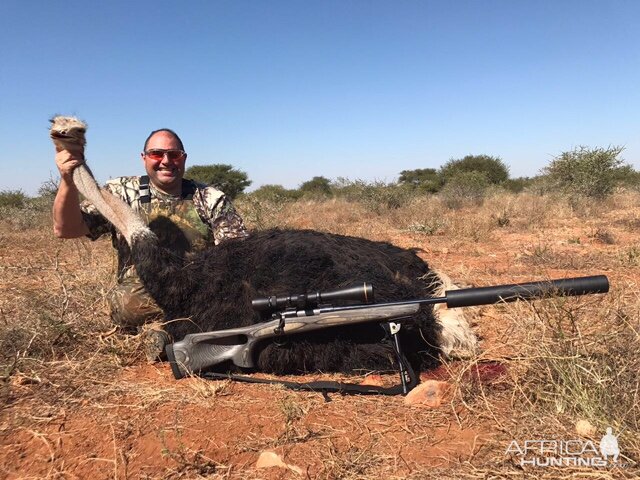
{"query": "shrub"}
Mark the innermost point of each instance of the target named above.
(33, 213)
(430, 226)
(21, 212)
(494, 169)
(586, 172)
(375, 196)
(626, 176)
(263, 207)
(517, 185)
(260, 214)
(12, 198)
(316, 187)
(465, 188)
(228, 179)
(275, 194)
(422, 179)
(578, 368)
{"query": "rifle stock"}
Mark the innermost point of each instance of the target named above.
(198, 351)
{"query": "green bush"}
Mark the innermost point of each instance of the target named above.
(517, 185)
(494, 169)
(263, 207)
(539, 185)
(224, 177)
(13, 198)
(425, 180)
(22, 212)
(465, 188)
(589, 172)
(376, 196)
(626, 176)
(275, 194)
(317, 187)
(33, 213)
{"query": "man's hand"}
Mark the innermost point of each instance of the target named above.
(68, 135)
(67, 161)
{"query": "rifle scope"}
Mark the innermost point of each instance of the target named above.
(361, 293)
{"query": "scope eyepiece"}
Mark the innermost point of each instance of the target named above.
(361, 293)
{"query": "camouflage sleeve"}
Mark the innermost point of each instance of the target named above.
(224, 221)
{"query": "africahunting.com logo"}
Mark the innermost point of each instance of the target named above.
(563, 453)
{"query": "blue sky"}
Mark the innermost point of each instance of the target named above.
(286, 90)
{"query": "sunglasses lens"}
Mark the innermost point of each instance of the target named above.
(175, 154)
(159, 154)
(155, 154)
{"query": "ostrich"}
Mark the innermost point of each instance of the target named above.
(212, 290)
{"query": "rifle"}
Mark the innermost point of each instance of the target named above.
(198, 352)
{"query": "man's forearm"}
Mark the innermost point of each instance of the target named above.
(67, 217)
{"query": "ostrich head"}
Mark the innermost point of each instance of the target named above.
(68, 133)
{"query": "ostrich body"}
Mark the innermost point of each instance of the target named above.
(212, 290)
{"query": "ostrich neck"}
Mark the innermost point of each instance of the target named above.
(123, 218)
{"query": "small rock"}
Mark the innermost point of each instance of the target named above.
(269, 459)
(584, 428)
(430, 394)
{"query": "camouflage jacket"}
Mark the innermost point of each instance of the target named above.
(217, 216)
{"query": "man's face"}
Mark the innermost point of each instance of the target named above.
(165, 172)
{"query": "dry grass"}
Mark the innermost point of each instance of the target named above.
(79, 400)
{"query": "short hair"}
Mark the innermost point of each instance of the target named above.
(167, 130)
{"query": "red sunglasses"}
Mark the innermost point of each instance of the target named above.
(158, 154)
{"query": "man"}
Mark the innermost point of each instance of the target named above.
(203, 214)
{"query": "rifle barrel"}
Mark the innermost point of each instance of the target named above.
(468, 297)
(471, 297)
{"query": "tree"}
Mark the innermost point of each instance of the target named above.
(317, 186)
(424, 179)
(492, 167)
(591, 172)
(228, 179)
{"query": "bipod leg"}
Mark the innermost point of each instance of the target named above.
(394, 328)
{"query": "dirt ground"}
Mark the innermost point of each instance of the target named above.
(101, 411)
